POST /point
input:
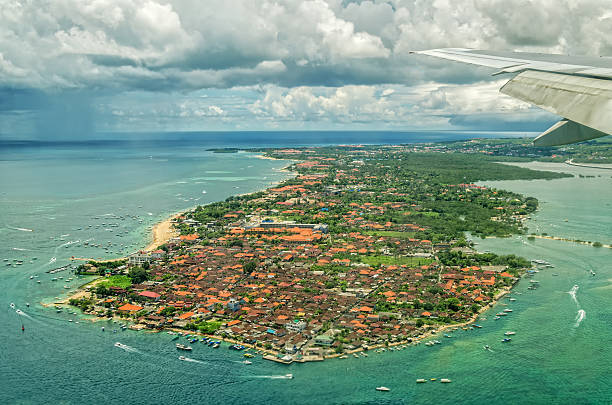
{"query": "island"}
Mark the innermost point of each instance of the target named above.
(364, 247)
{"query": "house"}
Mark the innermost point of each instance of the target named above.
(129, 308)
(140, 258)
(324, 340)
(295, 326)
(233, 305)
(150, 294)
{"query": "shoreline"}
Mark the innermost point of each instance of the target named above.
(164, 231)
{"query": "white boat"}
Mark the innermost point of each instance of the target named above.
(247, 362)
(382, 389)
(510, 333)
(183, 358)
(507, 310)
(289, 376)
(421, 380)
(183, 347)
(445, 380)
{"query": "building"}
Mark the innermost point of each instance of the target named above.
(324, 340)
(140, 258)
(233, 304)
(288, 224)
(295, 326)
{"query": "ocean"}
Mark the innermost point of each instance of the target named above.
(100, 199)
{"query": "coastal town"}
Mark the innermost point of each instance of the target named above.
(364, 247)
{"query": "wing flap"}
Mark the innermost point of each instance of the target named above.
(585, 100)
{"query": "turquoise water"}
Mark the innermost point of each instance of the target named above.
(554, 358)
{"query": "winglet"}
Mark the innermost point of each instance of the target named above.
(565, 132)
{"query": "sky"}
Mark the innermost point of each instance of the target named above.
(74, 68)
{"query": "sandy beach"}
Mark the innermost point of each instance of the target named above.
(163, 232)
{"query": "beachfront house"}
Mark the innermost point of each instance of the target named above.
(141, 257)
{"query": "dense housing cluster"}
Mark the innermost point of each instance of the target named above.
(364, 246)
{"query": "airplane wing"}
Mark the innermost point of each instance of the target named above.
(578, 89)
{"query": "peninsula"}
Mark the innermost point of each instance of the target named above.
(364, 247)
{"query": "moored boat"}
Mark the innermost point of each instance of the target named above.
(445, 380)
(383, 389)
(183, 347)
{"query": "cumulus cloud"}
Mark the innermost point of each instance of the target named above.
(187, 44)
(316, 59)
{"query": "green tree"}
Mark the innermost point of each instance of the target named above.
(138, 275)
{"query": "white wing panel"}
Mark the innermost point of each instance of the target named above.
(585, 100)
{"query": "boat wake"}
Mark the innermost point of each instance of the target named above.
(190, 360)
(579, 317)
(273, 377)
(19, 229)
(572, 294)
(127, 348)
(581, 312)
(21, 313)
(20, 249)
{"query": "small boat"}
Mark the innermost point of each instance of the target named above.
(510, 333)
(507, 310)
(486, 347)
(512, 299)
(477, 326)
(383, 389)
(247, 362)
(344, 356)
(289, 376)
(249, 355)
(432, 379)
(183, 347)
(445, 380)
(183, 358)
(355, 356)
(421, 380)
(216, 346)
(506, 340)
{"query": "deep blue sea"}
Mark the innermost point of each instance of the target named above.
(55, 196)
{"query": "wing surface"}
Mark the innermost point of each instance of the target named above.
(578, 90)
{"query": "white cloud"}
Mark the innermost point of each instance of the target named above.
(189, 44)
(328, 61)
